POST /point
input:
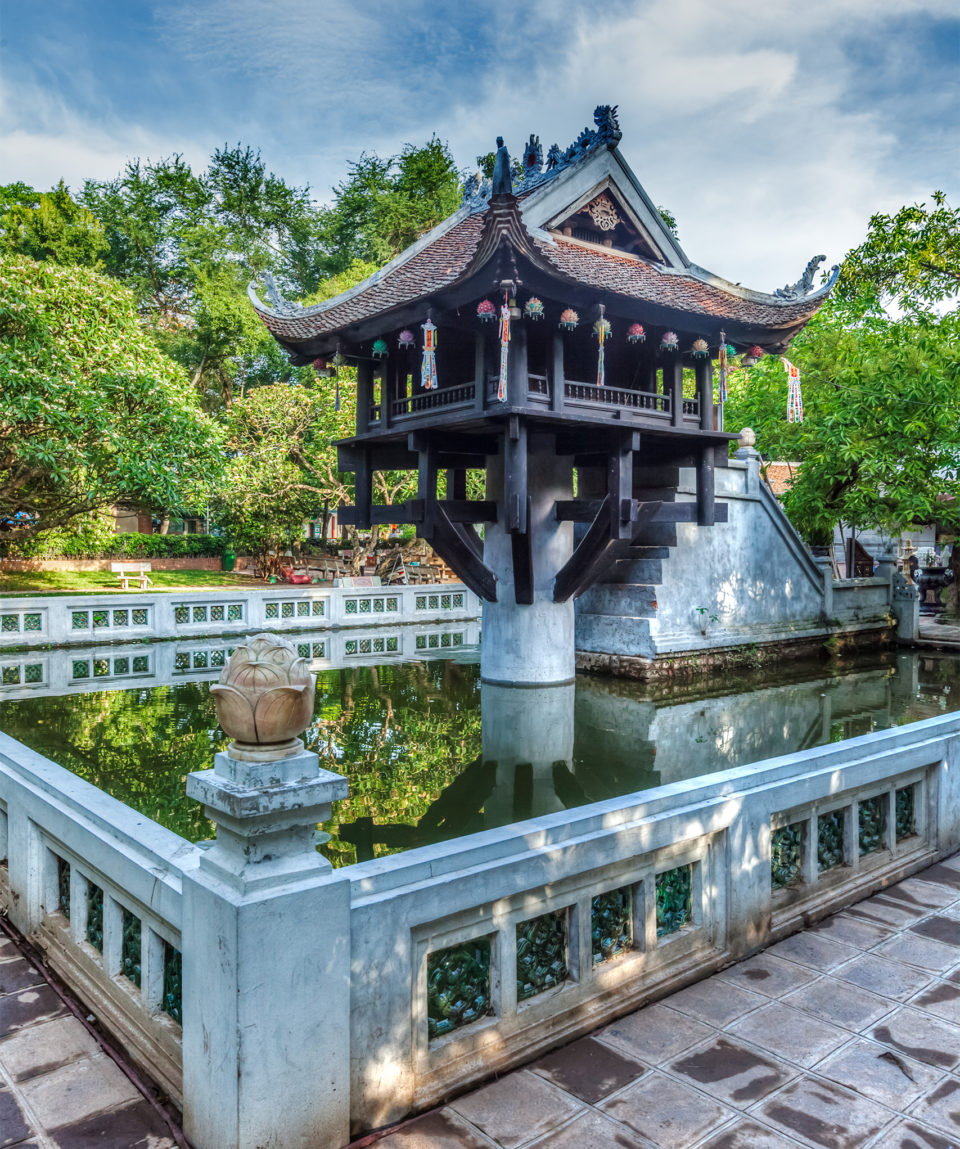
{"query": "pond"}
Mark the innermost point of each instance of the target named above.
(431, 753)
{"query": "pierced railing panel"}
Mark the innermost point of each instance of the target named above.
(606, 397)
(432, 400)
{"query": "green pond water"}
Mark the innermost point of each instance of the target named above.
(431, 753)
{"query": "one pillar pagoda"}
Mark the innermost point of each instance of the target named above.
(552, 334)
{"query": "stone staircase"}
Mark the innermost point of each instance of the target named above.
(614, 615)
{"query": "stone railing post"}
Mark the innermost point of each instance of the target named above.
(747, 453)
(825, 563)
(266, 926)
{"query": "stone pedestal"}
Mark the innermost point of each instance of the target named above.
(530, 644)
(275, 918)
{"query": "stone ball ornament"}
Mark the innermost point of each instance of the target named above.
(747, 437)
(264, 699)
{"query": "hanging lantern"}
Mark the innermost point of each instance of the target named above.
(731, 350)
(380, 349)
(569, 319)
(635, 333)
(428, 368)
(700, 349)
(669, 341)
(322, 368)
(753, 356)
(405, 340)
(533, 308)
(486, 311)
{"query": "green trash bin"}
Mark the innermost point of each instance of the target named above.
(228, 560)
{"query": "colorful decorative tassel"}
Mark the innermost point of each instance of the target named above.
(569, 319)
(700, 349)
(794, 398)
(533, 308)
(722, 368)
(428, 368)
(486, 311)
(504, 348)
(635, 333)
(601, 329)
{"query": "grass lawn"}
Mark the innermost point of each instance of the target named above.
(101, 582)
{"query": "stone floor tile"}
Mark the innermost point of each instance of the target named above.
(913, 1135)
(654, 1034)
(769, 975)
(77, 1091)
(885, 978)
(517, 1108)
(588, 1069)
(941, 998)
(749, 1134)
(439, 1129)
(886, 911)
(840, 1002)
(715, 1001)
(941, 875)
(852, 931)
(824, 1114)
(17, 974)
(731, 1072)
(939, 927)
(922, 952)
(14, 1128)
(136, 1126)
(940, 1108)
(588, 1131)
(877, 1072)
(920, 1036)
(669, 1114)
(928, 894)
(28, 1006)
(790, 1034)
(39, 1048)
(814, 950)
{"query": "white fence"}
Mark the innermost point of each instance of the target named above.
(316, 1001)
(135, 615)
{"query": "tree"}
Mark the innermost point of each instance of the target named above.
(387, 203)
(49, 225)
(91, 411)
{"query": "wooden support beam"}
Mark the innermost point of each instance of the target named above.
(427, 480)
(596, 550)
(673, 386)
(620, 487)
(706, 503)
(515, 476)
(453, 443)
(704, 370)
(383, 456)
(363, 490)
(470, 510)
(522, 548)
(586, 510)
(456, 482)
(364, 395)
(450, 542)
(479, 370)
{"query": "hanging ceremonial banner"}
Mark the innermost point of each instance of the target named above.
(794, 398)
(428, 368)
(601, 329)
(504, 348)
(722, 368)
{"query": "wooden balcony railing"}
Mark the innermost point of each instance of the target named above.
(431, 400)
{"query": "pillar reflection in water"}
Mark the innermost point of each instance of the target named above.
(528, 744)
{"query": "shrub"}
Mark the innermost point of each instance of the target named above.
(80, 545)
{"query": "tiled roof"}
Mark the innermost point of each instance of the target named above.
(626, 275)
(436, 265)
(779, 476)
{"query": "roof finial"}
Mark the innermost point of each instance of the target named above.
(502, 184)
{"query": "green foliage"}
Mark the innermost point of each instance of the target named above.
(91, 411)
(49, 225)
(387, 203)
(73, 542)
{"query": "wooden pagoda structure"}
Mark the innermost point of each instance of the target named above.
(552, 326)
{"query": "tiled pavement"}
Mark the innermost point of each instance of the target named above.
(58, 1089)
(845, 1035)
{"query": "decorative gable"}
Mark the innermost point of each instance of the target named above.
(604, 217)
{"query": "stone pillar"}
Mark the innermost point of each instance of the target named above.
(826, 573)
(525, 727)
(266, 926)
(530, 644)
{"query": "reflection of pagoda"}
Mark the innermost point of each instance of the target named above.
(604, 374)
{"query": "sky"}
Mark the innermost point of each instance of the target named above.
(772, 129)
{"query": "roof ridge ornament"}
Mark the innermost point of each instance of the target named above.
(804, 285)
(280, 305)
(502, 183)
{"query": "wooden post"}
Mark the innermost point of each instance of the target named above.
(673, 386)
(427, 486)
(515, 476)
(364, 396)
(363, 489)
(386, 390)
(704, 370)
(479, 370)
(558, 381)
(517, 371)
(706, 514)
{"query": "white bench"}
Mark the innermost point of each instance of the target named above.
(132, 572)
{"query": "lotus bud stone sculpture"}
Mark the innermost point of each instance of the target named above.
(264, 699)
